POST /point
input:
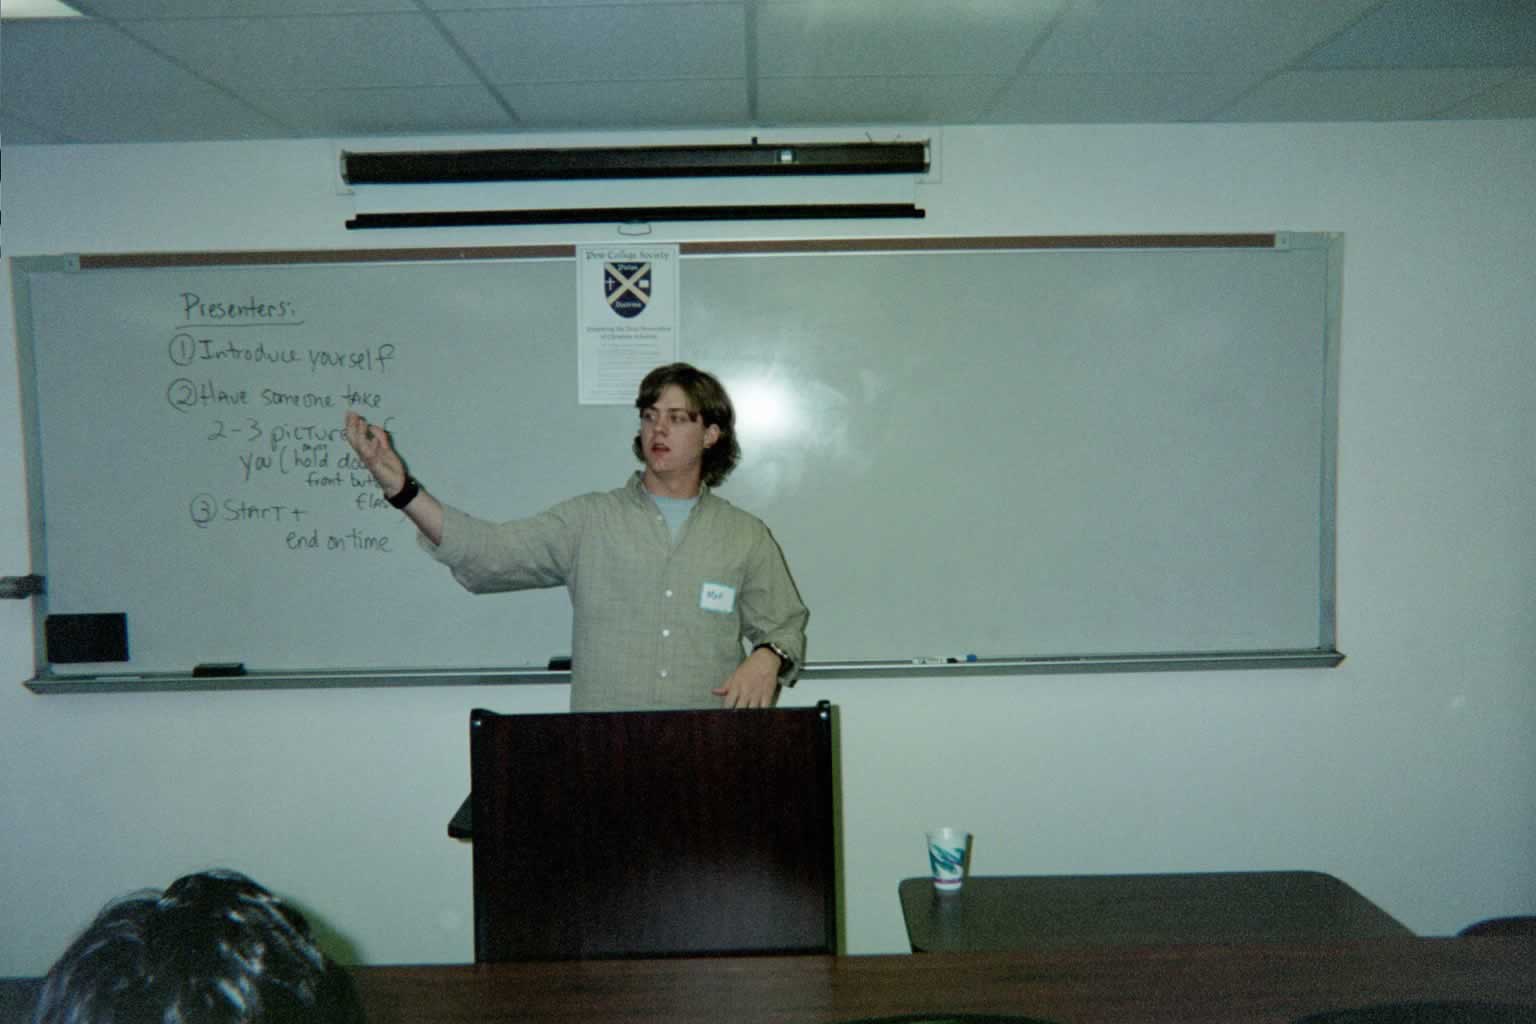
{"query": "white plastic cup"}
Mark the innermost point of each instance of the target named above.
(948, 850)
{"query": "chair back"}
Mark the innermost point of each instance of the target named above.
(1515, 926)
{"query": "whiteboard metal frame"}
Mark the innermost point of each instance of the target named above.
(161, 682)
(1325, 655)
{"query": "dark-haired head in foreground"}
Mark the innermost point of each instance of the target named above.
(213, 948)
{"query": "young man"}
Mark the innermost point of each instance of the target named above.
(666, 578)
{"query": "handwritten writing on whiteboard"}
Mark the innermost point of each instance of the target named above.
(268, 401)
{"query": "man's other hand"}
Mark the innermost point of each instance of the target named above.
(754, 684)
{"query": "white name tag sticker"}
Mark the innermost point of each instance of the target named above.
(717, 597)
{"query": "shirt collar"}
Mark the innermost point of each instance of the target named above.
(637, 487)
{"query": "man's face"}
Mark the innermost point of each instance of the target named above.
(673, 436)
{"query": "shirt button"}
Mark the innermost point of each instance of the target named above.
(663, 673)
(666, 632)
(669, 593)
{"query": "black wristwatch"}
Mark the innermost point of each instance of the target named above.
(406, 494)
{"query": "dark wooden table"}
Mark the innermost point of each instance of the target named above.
(1019, 912)
(1267, 983)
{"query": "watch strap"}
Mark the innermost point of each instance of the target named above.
(406, 494)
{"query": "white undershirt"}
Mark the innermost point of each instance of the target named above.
(675, 511)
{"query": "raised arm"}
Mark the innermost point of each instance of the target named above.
(371, 443)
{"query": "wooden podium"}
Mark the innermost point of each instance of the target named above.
(657, 833)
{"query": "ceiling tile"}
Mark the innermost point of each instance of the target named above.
(142, 98)
(16, 132)
(331, 52)
(899, 37)
(124, 10)
(913, 99)
(182, 70)
(1204, 36)
(502, 5)
(1115, 99)
(1436, 33)
(1391, 95)
(424, 110)
(1515, 98)
(569, 44)
(629, 104)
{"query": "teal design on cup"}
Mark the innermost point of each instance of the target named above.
(947, 849)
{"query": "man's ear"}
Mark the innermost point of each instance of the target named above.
(711, 435)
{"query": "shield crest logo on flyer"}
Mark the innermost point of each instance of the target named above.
(627, 286)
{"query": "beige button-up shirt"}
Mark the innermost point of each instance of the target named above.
(656, 624)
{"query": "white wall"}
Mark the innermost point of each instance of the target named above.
(1410, 771)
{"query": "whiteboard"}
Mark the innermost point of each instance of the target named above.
(981, 448)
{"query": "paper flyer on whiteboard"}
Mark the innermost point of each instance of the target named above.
(627, 298)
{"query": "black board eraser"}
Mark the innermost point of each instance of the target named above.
(71, 639)
(560, 664)
(219, 668)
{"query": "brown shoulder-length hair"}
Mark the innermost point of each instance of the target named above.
(707, 397)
